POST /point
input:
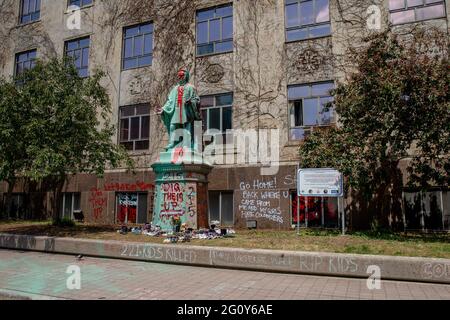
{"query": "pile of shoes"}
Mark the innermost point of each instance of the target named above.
(136, 231)
(185, 235)
(124, 230)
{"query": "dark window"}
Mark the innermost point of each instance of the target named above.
(80, 3)
(70, 202)
(135, 127)
(406, 11)
(215, 30)
(221, 208)
(307, 19)
(217, 114)
(138, 46)
(25, 61)
(19, 209)
(30, 10)
(309, 108)
(78, 50)
(427, 210)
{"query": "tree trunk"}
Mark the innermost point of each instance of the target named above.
(8, 202)
(57, 194)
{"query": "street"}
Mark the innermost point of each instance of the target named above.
(45, 275)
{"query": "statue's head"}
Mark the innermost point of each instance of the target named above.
(183, 76)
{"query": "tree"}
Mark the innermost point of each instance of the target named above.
(13, 157)
(393, 109)
(67, 128)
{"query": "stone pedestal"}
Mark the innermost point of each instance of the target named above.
(181, 189)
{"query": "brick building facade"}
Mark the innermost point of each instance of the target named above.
(257, 64)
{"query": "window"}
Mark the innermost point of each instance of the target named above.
(80, 3)
(427, 210)
(307, 19)
(135, 127)
(215, 30)
(308, 104)
(217, 112)
(25, 61)
(138, 46)
(221, 208)
(132, 208)
(19, 209)
(70, 202)
(30, 10)
(315, 212)
(405, 11)
(78, 50)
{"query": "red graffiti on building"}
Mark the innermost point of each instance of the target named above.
(98, 202)
(138, 186)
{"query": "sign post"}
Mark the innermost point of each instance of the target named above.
(321, 183)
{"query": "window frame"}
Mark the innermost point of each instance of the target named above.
(308, 129)
(82, 5)
(414, 8)
(124, 38)
(66, 43)
(16, 56)
(221, 193)
(72, 209)
(306, 27)
(422, 198)
(129, 118)
(139, 195)
(206, 122)
(21, 15)
(213, 43)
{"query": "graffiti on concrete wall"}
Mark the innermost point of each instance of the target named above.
(260, 199)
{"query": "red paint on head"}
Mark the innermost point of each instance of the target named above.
(181, 74)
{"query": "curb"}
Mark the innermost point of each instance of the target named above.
(308, 263)
(22, 296)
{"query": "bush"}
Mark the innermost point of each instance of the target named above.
(63, 223)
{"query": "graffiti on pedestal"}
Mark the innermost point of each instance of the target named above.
(173, 198)
(177, 200)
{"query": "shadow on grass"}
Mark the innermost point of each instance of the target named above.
(47, 229)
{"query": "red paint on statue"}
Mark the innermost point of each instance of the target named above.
(180, 101)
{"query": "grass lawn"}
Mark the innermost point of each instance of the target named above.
(414, 245)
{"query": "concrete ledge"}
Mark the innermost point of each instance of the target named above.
(312, 263)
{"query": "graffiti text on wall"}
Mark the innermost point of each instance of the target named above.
(172, 204)
(138, 186)
(98, 202)
(260, 200)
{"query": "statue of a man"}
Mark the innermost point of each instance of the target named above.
(181, 109)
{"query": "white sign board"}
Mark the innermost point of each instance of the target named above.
(320, 183)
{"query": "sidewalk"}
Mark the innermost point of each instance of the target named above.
(307, 263)
(40, 276)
